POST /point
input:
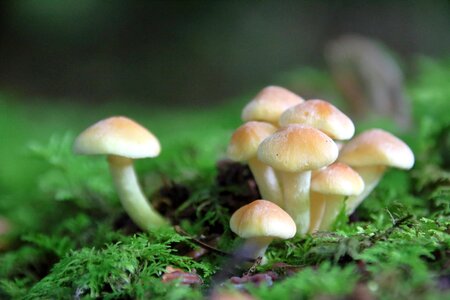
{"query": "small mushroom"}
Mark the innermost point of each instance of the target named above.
(321, 115)
(329, 186)
(369, 154)
(123, 140)
(259, 223)
(269, 104)
(243, 148)
(294, 151)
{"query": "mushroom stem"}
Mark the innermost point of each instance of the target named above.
(130, 194)
(371, 176)
(295, 187)
(256, 247)
(318, 203)
(333, 205)
(266, 180)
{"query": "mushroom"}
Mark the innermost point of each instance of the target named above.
(369, 154)
(269, 104)
(123, 140)
(294, 151)
(329, 186)
(244, 146)
(259, 223)
(321, 115)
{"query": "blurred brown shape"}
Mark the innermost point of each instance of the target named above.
(257, 279)
(5, 229)
(369, 78)
(230, 295)
(361, 292)
(187, 278)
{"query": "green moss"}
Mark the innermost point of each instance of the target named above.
(114, 270)
(325, 280)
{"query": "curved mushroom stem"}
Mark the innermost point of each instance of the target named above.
(318, 204)
(333, 205)
(256, 247)
(371, 176)
(296, 197)
(130, 194)
(266, 180)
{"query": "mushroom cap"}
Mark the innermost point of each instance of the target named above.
(298, 148)
(246, 139)
(337, 179)
(269, 104)
(377, 147)
(321, 115)
(117, 136)
(262, 218)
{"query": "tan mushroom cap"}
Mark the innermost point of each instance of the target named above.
(262, 218)
(298, 148)
(246, 139)
(269, 104)
(321, 115)
(117, 136)
(337, 179)
(377, 147)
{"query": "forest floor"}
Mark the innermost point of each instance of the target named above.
(64, 235)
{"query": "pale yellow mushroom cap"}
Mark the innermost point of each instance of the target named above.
(298, 148)
(117, 136)
(269, 104)
(246, 139)
(262, 218)
(321, 115)
(377, 147)
(337, 179)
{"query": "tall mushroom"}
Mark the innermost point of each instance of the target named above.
(369, 154)
(243, 148)
(329, 186)
(327, 118)
(123, 140)
(259, 223)
(269, 104)
(293, 152)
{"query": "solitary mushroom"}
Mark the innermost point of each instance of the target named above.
(321, 115)
(293, 152)
(269, 104)
(369, 154)
(123, 140)
(329, 186)
(259, 223)
(244, 146)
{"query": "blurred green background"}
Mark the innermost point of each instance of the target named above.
(184, 69)
(191, 53)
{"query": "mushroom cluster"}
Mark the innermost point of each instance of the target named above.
(304, 172)
(296, 152)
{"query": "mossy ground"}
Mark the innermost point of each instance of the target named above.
(69, 237)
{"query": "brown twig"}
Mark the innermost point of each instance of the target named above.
(252, 269)
(179, 230)
(388, 232)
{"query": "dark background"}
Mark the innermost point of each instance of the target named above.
(192, 52)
